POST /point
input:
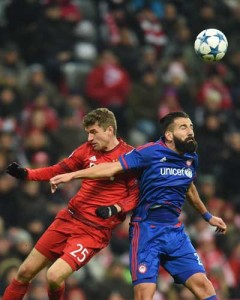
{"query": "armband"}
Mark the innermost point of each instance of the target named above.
(207, 216)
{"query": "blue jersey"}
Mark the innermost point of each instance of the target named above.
(156, 236)
(165, 176)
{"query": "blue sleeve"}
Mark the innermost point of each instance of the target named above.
(138, 158)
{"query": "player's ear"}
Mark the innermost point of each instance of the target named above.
(169, 136)
(110, 129)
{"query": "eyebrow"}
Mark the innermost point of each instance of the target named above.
(185, 125)
(90, 130)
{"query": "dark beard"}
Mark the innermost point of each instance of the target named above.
(187, 146)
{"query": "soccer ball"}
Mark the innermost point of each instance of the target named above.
(211, 45)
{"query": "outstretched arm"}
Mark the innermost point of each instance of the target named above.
(194, 199)
(104, 170)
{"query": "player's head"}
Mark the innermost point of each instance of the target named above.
(178, 131)
(101, 127)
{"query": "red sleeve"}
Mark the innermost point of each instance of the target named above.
(129, 203)
(73, 163)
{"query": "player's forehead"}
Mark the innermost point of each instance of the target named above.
(178, 122)
(93, 128)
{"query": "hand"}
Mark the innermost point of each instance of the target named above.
(106, 212)
(62, 178)
(219, 223)
(53, 187)
(15, 170)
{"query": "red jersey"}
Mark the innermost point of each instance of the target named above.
(121, 190)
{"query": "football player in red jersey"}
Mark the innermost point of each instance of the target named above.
(83, 228)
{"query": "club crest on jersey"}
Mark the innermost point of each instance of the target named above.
(142, 268)
(189, 162)
(93, 158)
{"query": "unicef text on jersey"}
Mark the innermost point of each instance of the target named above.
(177, 172)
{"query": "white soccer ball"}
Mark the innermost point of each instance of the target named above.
(211, 45)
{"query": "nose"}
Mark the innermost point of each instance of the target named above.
(90, 137)
(190, 131)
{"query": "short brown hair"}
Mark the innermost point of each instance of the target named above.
(103, 117)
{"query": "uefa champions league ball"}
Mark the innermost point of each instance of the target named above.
(211, 45)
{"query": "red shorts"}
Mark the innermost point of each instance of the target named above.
(72, 240)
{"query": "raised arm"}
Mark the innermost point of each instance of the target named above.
(194, 199)
(104, 170)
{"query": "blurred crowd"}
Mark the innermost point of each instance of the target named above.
(61, 58)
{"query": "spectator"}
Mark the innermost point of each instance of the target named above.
(108, 85)
(37, 82)
(211, 137)
(235, 265)
(22, 18)
(217, 266)
(169, 103)
(10, 197)
(40, 115)
(143, 111)
(153, 32)
(215, 84)
(230, 166)
(11, 63)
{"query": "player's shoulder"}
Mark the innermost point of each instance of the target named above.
(83, 148)
(195, 158)
(124, 146)
(193, 155)
(148, 146)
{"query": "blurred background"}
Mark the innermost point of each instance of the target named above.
(61, 58)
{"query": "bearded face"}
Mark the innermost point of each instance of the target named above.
(189, 145)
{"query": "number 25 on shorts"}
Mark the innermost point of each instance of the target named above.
(80, 253)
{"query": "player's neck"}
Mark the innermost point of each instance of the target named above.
(112, 144)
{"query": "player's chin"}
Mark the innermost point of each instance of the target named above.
(96, 147)
(191, 146)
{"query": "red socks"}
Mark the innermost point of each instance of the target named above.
(15, 291)
(56, 294)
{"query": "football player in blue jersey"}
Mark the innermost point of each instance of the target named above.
(167, 171)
